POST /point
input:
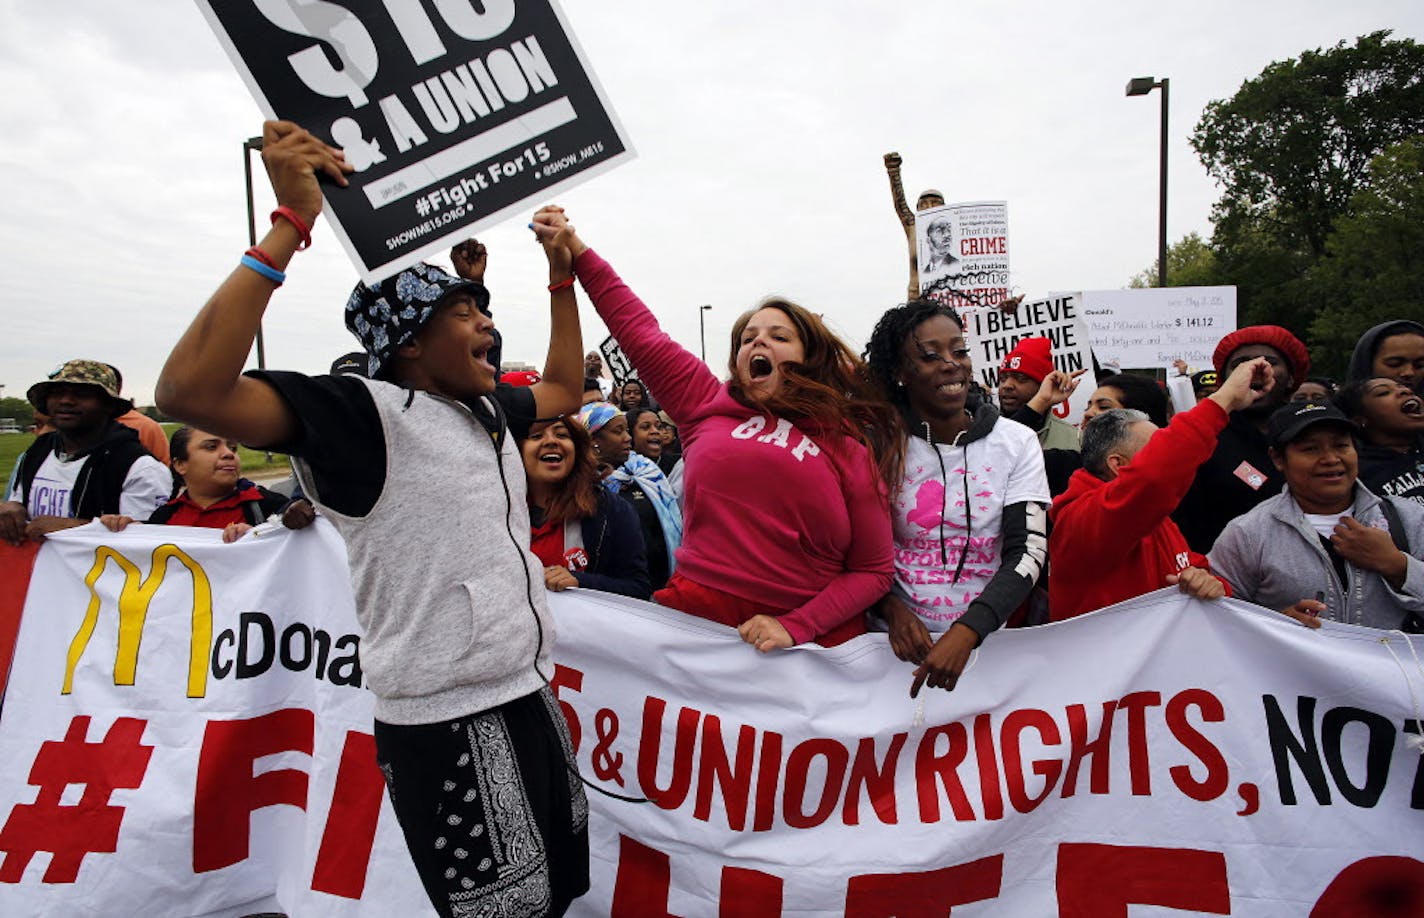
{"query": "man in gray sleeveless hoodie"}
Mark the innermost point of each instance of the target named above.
(418, 467)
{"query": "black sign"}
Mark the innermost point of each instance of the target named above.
(618, 365)
(456, 113)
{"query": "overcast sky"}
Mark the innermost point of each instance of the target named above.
(759, 128)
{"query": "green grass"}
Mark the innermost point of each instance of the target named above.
(11, 446)
(253, 461)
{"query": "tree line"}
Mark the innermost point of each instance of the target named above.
(1320, 224)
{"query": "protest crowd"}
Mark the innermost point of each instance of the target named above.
(822, 490)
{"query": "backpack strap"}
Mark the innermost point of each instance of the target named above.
(1396, 525)
(109, 466)
(1413, 622)
(30, 462)
(163, 514)
(252, 509)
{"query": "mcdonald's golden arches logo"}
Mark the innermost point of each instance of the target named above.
(135, 596)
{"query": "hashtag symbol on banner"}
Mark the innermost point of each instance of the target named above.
(69, 832)
(422, 206)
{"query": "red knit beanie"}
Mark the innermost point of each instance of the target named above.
(1274, 336)
(1033, 357)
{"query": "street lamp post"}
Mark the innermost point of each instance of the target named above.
(702, 329)
(248, 146)
(1141, 86)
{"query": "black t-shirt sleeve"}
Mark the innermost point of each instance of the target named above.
(1029, 418)
(339, 435)
(520, 409)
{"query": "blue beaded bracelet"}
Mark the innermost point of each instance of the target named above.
(267, 271)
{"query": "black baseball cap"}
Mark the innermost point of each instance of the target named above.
(1294, 419)
(353, 364)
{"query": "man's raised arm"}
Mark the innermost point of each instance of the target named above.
(202, 381)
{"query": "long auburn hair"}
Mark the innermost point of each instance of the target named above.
(830, 389)
(576, 497)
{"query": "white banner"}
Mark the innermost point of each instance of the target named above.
(187, 737)
(992, 334)
(1148, 328)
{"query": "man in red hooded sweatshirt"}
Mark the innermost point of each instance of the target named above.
(1112, 538)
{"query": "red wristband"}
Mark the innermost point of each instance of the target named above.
(286, 213)
(263, 257)
(562, 285)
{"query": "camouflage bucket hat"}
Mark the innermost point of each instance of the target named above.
(388, 315)
(80, 373)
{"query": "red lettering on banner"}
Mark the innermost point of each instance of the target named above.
(644, 878)
(350, 831)
(572, 679)
(644, 875)
(926, 894)
(750, 893)
(1374, 886)
(989, 793)
(931, 767)
(798, 767)
(649, 749)
(1136, 704)
(1092, 881)
(715, 771)
(767, 771)
(1101, 881)
(1217, 776)
(877, 781)
(1079, 748)
(818, 776)
(228, 792)
(70, 831)
(1048, 769)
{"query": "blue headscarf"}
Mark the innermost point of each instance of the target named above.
(595, 414)
(654, 484)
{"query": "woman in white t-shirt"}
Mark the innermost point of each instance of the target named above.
(970, 514)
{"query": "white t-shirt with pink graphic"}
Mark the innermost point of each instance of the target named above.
(950, 506)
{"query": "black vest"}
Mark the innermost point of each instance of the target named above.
(101, 479)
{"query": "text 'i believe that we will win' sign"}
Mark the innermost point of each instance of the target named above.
(454, 113)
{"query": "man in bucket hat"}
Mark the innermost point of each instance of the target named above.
(419, 469)
(88, 465)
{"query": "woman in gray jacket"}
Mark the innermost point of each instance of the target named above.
(1326, 546)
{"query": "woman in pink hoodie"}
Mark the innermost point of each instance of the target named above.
(786, 525)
